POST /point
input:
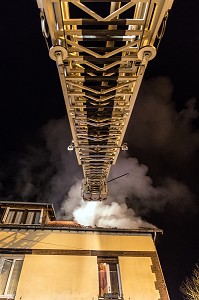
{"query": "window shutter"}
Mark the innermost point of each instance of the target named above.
(18, 217)
(30, 216)
(5, 214)
(41, 216)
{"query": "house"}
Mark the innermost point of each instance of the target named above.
(42, 258)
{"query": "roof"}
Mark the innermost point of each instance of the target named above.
(65, 223)
(71, 226)
(68, 225)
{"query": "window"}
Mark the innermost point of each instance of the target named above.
(10, 269)
(109, 278)
(23, 216)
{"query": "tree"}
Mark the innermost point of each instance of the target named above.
(190, 286)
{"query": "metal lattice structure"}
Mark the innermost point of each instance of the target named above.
(102, 49)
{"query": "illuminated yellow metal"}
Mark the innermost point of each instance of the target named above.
(102, 49)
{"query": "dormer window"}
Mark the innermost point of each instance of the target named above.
(22, 216)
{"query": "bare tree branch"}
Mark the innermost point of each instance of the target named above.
(190, 287)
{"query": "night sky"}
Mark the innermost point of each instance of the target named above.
(163, 133)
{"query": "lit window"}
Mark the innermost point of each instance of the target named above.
(10, 269)
(109, 278)
(23, 216)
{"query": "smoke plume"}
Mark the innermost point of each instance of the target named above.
(135, 190)
(156, 128)
(101, 214)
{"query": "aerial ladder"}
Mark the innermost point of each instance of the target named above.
(101, 49)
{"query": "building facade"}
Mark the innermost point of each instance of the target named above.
(42, 258)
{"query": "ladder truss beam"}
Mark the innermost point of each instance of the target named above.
(102, 48)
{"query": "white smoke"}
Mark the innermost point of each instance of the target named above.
(136, 189)
(108, 215)
(140, 191)
(101, 214)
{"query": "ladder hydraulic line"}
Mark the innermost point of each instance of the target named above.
(101, 49)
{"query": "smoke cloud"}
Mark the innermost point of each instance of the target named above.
(46, 170)
(101, 214)
(134, 190)
(156, 127)
(58, 137)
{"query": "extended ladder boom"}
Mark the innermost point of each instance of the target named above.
(102, 49)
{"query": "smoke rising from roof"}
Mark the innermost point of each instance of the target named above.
(108, 213)
(135, 190)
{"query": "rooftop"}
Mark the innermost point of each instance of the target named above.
(64, 225)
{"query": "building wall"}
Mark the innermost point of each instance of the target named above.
(63, 265)
(140, 282)
(66, 240)
(45, 277)
(76, 277)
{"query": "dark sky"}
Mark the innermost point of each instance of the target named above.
(163, 132)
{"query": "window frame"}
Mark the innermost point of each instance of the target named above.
(107, 261)
(3, 259)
